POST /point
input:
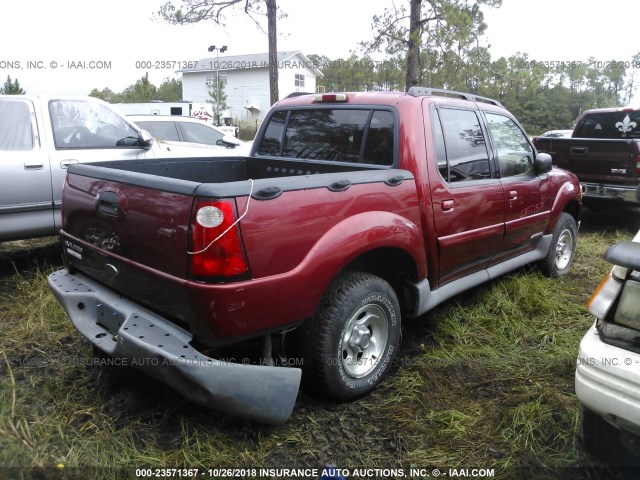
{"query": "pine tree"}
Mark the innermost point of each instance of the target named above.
(222, 105)
(12, 87)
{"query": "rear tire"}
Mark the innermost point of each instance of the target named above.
(348, 347)
(562, 249)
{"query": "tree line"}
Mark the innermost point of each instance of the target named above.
(438, 43)
(434, 43)
(170, 90)
(544, 96)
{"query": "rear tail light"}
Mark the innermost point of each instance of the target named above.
(216, 250)
(604, 296)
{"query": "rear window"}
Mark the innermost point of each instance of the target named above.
(339, 135)
(16, 131)
(609, 125)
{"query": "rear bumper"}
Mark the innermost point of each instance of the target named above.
(152, 344)
(617, 193)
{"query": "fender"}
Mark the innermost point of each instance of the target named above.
(355, 236)
(362, 233)
(569, 191)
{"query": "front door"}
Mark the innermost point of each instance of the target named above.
(527, 207)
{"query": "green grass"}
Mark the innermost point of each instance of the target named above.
(483, 381)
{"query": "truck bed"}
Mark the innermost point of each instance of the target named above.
(606, 167)
(593, 159)
(145, 209)
(214, 170)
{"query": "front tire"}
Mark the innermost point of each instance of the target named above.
(603, 441)
(563, 247)
(349, 345)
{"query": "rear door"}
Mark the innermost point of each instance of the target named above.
(467, 198)
(526, 198)
(26, 207)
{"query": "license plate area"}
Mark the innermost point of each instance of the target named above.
(109, 318)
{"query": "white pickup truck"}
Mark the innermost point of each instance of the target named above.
(40, 137)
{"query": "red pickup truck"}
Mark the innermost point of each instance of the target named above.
(604, 153)
(352, 212)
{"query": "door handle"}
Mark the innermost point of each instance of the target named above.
(33, 166)
(447, 205)
(513, 194)
(67, 163)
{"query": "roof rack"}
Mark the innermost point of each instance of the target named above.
(426, 91)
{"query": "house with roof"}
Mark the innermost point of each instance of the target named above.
(245, 80)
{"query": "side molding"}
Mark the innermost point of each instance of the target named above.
(426, 299)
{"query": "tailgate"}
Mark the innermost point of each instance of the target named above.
(140, 224)
(603, 161)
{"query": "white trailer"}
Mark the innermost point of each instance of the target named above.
(155, 108)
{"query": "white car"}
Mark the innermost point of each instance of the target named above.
(607, 378)
(186, 129)
(558, 133)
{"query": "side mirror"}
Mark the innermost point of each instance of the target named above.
(624, 254)
(543, 163)
(229, 141)
(145, 140)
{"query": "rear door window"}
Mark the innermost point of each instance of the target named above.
(161, 130)
(16, 126)
(338, 135)
(196, 133)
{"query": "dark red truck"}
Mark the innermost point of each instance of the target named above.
(353, 211)
(604, 153)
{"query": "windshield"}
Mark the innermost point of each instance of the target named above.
(89, 124)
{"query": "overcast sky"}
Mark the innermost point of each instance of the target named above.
(52, 33)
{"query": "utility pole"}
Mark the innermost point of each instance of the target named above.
(218, 50)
